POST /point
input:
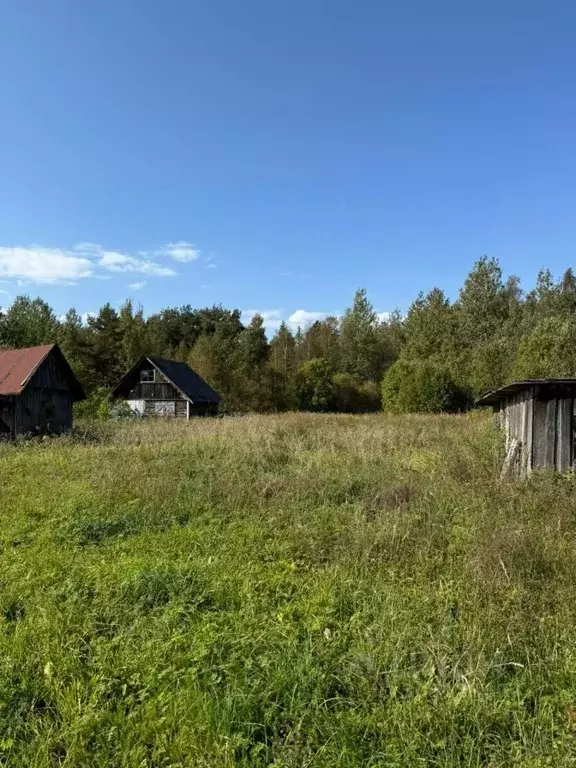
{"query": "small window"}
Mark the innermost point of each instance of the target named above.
(147, 375)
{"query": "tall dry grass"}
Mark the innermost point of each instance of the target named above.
(295, 590)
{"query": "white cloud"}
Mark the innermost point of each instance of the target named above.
(43, 265)
(383, 317)
(180, 251)
(210, 266)
(304, 318)
(40, 264)
(137, 286)
(114, 261)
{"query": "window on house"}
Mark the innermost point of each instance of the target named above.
(165, 408)
(147, 375)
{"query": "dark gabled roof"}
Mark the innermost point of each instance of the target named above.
(494, 396)
(17, 366)
(190, 384)
(186, 380)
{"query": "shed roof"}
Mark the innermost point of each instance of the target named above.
(17, 366)
(190, 384)
(493, 396)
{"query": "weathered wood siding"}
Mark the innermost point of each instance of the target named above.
(564, 437)
(50, 375)
(43, 410)
(552, 429)
(161, 398)
(46, 403)
(153, 391)
(160, 389)
(178, 408)
(516, 416)
(7, 416)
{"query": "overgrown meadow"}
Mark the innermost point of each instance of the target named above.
(288, 591)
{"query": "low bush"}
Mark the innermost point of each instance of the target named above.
(422, 387)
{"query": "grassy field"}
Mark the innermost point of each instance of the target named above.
(285, 591)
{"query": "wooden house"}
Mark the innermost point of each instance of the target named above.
(166, 388)
(37, 391)
(538, 418)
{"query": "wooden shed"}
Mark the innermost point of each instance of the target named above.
(37, 391)
(538, 418)
(166, 388)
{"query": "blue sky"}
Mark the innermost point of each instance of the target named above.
(276, 156)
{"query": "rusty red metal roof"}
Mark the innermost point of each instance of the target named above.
(17, 366)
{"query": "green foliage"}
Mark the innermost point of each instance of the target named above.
(350, 396)
(492, 333)
(27, 323)
(296, 590)
(96, 407)
(550, 350)
(283, 352)
(421, 387)
(365, 350)
(315, 388)
(430, 326)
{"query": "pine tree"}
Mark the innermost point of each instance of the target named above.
(364, 352)
(73, 340)
(104, 349)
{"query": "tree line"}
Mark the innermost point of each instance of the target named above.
(438, 356)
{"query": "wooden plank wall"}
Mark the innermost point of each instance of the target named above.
(6, 415)
(50, 375)
(552, 435)
(180, 409)
(31, 408)
(564, 437)
(517, 418)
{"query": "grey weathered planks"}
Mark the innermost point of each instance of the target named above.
(541, 418)
(564, 434)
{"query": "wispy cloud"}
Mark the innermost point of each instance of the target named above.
(122, 262)
(180, 251)
(137, 286)
(115, 261)
(41, 264)
(211, 266)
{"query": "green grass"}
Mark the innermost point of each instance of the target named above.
(285, 591)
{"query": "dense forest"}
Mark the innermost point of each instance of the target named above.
(437, 356)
